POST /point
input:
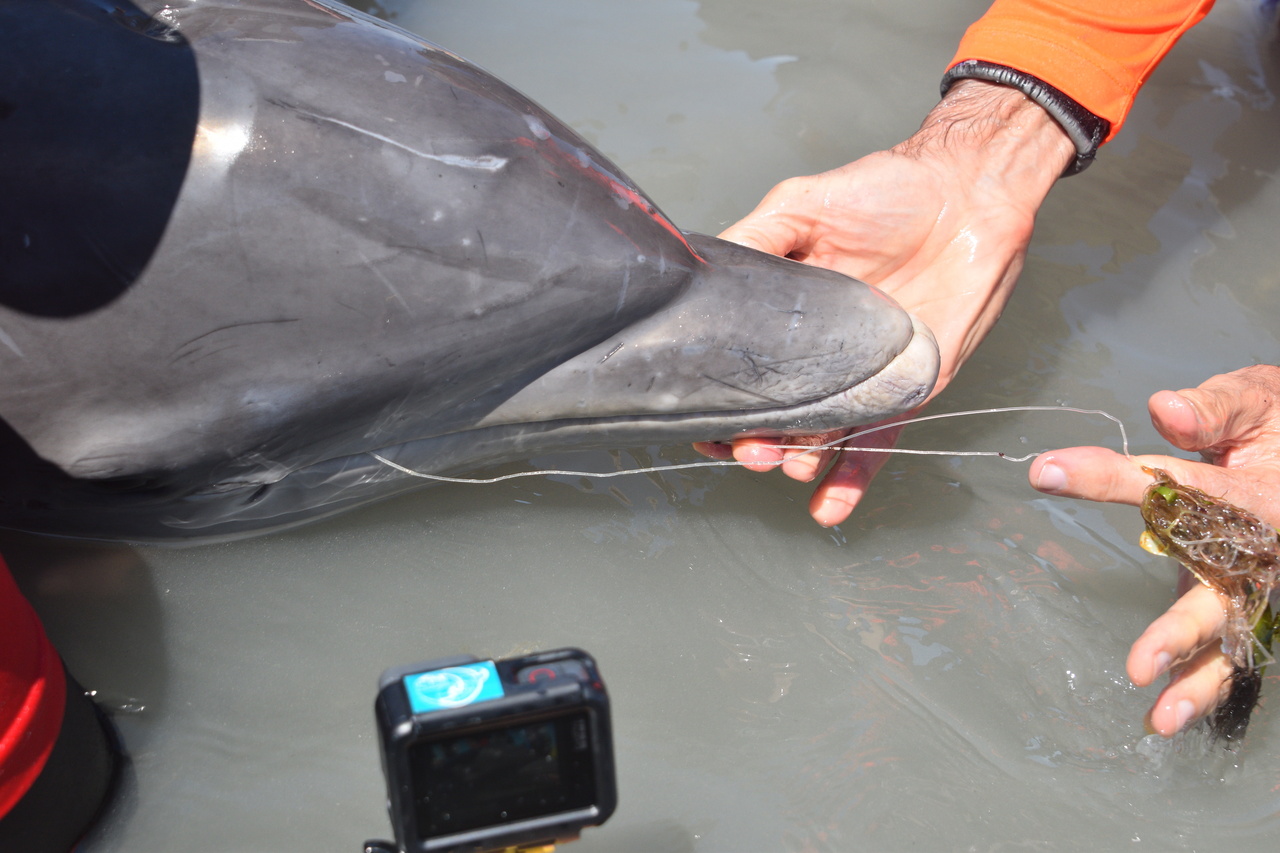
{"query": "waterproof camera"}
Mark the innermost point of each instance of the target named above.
(483, 755)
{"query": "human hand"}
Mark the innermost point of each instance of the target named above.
(940, 222)
(1233, 421)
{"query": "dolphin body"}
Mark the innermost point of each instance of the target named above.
(245, 245)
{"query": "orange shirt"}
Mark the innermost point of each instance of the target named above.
(32, 694)
(1097, 52)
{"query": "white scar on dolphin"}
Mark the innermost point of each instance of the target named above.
(484, 163)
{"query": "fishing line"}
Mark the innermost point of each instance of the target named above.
(1124, 436)
(806, 449)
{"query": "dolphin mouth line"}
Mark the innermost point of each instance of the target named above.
(343, 481)
(808, 415)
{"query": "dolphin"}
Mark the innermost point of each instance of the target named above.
(246, 246)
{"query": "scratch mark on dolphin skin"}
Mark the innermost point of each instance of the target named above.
(208, 353)
(747, 391)
(617, 229)
(483, 163)
(386, 281)
(352, 308)
(611, 352)
(622, 292)
(11, 343)
(108, 262)
(757, 364)
(795, 311)
(179, 355)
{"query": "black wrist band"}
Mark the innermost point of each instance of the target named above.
(1085, 129)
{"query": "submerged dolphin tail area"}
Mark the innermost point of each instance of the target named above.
(359, 243)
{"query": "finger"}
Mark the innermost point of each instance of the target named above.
(757, 454)
(1098, 474)
(844, 485)
(1195, 621)
(805, 465)
(787, 453)
(770, 227)
(767, 235)
(1195, 692)
(1092, 473)
(757, 235)
(1224, 409)
(714, 449)
(1175, 418)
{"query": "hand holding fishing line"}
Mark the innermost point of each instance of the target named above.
(940, 222)
(1233, 421)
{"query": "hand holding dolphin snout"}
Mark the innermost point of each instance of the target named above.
(940, 222)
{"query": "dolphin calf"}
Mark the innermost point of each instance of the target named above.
(245, 246)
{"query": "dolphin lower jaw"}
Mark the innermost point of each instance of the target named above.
(899, 386)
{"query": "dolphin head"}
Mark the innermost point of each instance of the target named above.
(361, 244)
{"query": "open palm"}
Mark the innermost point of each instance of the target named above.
(941, 223)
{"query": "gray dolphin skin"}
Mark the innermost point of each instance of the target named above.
(245, 245)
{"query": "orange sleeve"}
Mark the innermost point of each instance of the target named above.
(1097, 52)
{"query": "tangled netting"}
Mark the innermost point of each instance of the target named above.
(1227, 548)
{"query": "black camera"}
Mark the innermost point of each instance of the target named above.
(486, 755)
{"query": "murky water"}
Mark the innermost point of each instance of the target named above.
(945, 671)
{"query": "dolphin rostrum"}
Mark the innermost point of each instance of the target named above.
(243, 246)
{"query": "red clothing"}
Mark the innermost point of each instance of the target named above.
(32, 694)
(1097, 52)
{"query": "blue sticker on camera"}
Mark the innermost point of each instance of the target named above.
(442, 689)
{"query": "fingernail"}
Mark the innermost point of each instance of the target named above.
(1051, 478)
(802, 468)
(832, 512)
(1162, 664)
(1182, 713)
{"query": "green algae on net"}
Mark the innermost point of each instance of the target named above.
(1237, 554)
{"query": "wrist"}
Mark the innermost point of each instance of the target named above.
(989, 129)
(1085, 130)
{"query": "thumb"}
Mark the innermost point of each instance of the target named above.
(1223, 411)
(763, 232)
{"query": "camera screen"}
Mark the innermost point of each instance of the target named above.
(504, 774)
